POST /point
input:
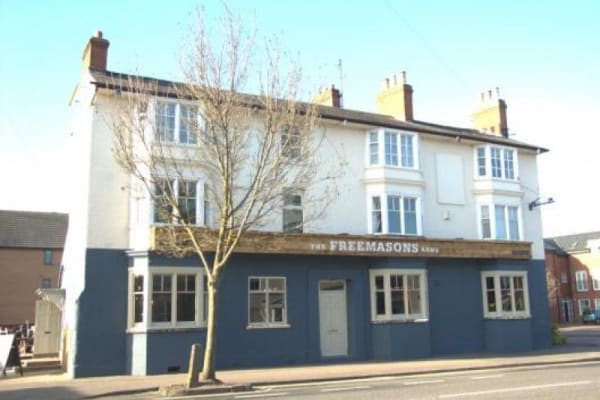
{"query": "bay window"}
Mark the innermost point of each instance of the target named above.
(495, 162)
(398, 295)
(395, 214)
(500, 222)
(505, 294)
(391, 148)
(292, 212)
(185, 192)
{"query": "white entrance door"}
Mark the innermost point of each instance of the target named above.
(333, 319)
(47, 328)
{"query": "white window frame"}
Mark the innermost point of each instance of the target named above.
(596, 304)
(292, 207)
(148, 273)
(201, 200)
(159, 136)
(499, 313)
(487, 167)
(492, 216)
(581, 277)
(264, 325)
(383, 196)
(381, 152)
(423, 316)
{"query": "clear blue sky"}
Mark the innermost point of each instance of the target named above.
(545, 59)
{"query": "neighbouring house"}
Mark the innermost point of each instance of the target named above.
(430, 248)
(573, 273)
(31, 248)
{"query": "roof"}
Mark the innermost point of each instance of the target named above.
(572, 243)
(33, 229)
(114, 80)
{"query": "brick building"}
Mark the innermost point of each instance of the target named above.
(573, 274)
(31, 246)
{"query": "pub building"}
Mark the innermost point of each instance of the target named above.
(429, 249)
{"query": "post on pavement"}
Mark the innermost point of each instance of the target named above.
(194, 367)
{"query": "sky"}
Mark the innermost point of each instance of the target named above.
(544, 57)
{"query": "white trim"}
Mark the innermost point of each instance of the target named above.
(499, 314)
(423, 316)
(381, 160)
(492, 214)
(383, 196)
(261, 325)
(178, 117)
(488, 162)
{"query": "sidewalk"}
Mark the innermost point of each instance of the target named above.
(59, 386)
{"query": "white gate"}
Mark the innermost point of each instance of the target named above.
(48, 318)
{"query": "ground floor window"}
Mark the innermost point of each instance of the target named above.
(505, 294)
(398, 295)
(584, 304)
(266, 302)
(162, 297)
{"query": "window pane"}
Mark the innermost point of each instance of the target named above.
(500, 222)
(276, 307)
(379, 282)
(394, 222)
(186, 201)
(397, 302)
(486, 229)
(161, 307)
(138, 283)
(519, 293)
(186, 307)
(276, 284)
(410, 216)
(496, 163)
(254, 284)
(505, 292)
(373, 148)
(481, 161)
(509, 169)
(290, 143)
(380, 303)
(376, 214)
(513, 222)
(138, 308)
(491, 294)
(407, 150)
(161, 206)
(48, 257)
(165, 122)
(391, 148)
(414, 294)
(258, 311)
(292, 221)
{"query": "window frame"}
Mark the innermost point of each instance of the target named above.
(508, 167)
(201, 201)
(501, 314)
(148, 274)
(178, 123)
(585, 286)
(506, 219)
(580, 308)
(384, 201)
(595, 283)
(268, 325)
(392, 154)
(48, 257)
(387, 273)
(290, 207)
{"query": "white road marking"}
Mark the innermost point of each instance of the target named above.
(340, 389)
(515, 389)
(487, 376)
(423, 382)
(253, 396)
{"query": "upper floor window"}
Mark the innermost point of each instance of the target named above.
(396, 214)
(393, 148)
(595, 283)
(185, 194)
(581, 281)
(498, 221)
(48, 257)
(292, 212)
(175, 123)
(505, 294)
(398, 294)
(290, 143)
(495, 162)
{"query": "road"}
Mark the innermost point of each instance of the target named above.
(574, 381)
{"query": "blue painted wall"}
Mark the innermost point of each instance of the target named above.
(456, 323)
(102, 315)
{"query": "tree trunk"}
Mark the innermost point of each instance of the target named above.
(208, 368)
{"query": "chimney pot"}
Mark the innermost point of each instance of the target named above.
(99, 34)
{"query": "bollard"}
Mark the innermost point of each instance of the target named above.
(194, 367)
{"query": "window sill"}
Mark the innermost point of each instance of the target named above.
(161, 329)
(399, 321)
(396, 167)
(506, 317)
(268, 326)
(493, 179)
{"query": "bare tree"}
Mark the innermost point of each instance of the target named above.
(251, 151)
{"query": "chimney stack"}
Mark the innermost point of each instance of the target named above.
(395, 98)
(95, 53)
(490, 117)
(330, 96)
